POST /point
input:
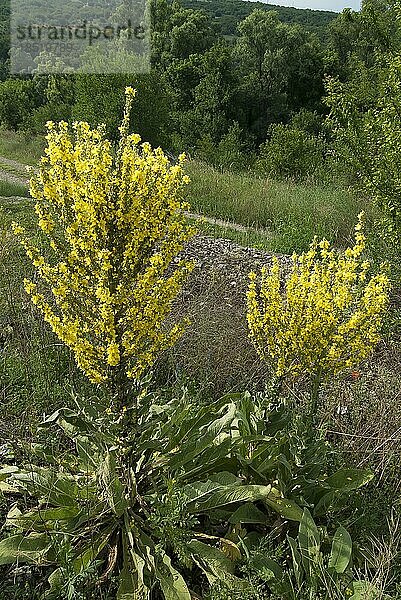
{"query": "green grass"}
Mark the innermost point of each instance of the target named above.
(21, 147)
(293, 213)
(12, 189)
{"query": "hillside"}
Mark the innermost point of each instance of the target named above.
(228, 13)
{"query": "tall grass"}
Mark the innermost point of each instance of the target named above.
(288, 214)
(8, 188)
(293, 212)
(21, 147)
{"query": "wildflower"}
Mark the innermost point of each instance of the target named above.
(119, 224)
(328, 317)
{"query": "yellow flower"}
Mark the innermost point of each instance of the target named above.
(327, 318)
(114, 221)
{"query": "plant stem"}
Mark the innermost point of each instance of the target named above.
(314, 394)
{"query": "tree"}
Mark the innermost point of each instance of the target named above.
(369, 138)
(98, 99)
(280, 67)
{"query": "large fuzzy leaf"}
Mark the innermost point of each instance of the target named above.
(296, 560)
(92, 549)
(131, 579)
(309, 542)
(341, 550)
(171, 582)
(209, 438)
(114, 490)
(284, 507)
(216, 565)
(54, 488)
(21, 548)
(213, 562)
(347, 480)
(248, 513)
(364, 590)
(201, 490)
(43, 519)
(230, 495)
(266, 568)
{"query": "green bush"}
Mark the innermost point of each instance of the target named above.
(231, 153)
(368, 137)
(290, 153)
(18, 98)
(98, 99)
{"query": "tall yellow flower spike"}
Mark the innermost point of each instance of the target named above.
(328, 315)
(114, 222)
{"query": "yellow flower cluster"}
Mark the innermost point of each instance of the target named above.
(114, 220)
(325, 317)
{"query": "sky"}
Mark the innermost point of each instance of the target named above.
(336, 5)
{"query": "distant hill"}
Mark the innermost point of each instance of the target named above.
(228, 13)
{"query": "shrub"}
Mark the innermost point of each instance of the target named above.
(290, 153)
(18, 98)
(329, 315)
(98, 100)
(230, 153)
(368, 133)
(113, 225)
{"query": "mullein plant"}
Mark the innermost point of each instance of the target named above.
(324, 318)
(114, 221)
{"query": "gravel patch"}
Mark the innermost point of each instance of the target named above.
(229, 259)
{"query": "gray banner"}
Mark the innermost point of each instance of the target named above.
(92, 36)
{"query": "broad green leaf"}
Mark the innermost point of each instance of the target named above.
(55, 579)
(267, 569)
(131, 583)
(90, 552)
(248, 513)
(7, 488)
(347, 480)
(232, 495)
(296, 560)
(327, 502)
(208, 438)
(171, 582)
(6, 471)
(53, 487)
(341, 550)
(87, 452)
(309, 542)
(286, 508)
(44, 519)
(113, 488)
(225, 478)
(202, 490)
(213, 562)
(21, 548)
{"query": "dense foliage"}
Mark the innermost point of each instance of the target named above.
(134, 490)
(204, 82)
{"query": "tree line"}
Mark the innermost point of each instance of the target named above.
(258, 98)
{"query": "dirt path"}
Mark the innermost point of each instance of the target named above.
(13, 171)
